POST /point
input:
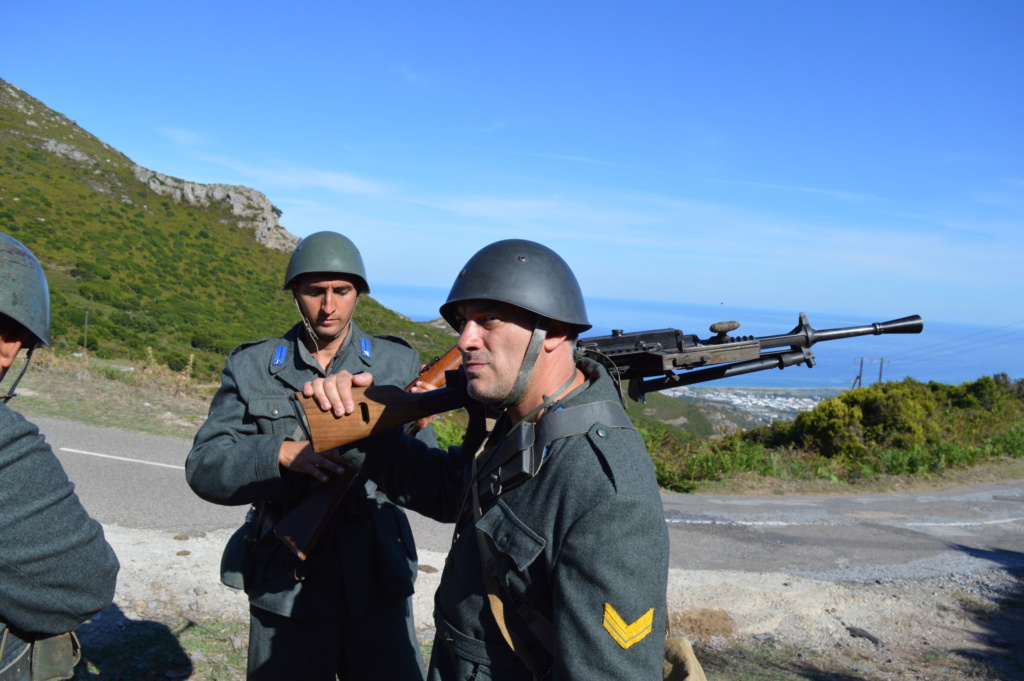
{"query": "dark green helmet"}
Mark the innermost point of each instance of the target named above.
(24, 296)
(521, 273)
(328, 252)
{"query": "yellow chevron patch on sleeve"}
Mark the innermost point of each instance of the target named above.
(627, 634)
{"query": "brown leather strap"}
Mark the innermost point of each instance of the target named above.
(538, 625)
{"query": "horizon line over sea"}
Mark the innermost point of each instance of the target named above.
(945, 352)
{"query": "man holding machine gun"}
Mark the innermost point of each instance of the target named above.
(559, 561)
(346, 611)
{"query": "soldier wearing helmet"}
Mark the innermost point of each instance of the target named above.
(559, 564)
(57, 569)
(346, 611)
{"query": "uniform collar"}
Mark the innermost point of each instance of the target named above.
(357, 349)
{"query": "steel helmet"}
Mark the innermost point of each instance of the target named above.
(521, 273)
(327, 252)
(24, 295)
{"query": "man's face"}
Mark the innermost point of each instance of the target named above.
(327, 301)
(493, 339)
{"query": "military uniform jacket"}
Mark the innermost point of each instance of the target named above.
(366, 555)
(56, 568)
(583, 543)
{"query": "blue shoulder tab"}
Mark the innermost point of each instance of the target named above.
(280, 355)
(366, 347)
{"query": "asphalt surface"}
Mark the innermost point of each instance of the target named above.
(138, 481)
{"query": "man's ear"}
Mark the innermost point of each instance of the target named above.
(556, 335)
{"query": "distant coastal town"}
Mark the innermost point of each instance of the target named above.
(764, 404)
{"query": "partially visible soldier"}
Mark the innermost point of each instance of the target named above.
(348, 615)
(56, 568)
(559, 564)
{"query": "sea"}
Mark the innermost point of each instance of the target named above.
(944, 352)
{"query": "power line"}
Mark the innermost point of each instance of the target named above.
(954, 348)
(957, 340)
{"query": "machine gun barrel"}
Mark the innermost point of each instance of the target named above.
(803, 336)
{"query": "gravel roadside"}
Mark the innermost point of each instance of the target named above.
(877, 629)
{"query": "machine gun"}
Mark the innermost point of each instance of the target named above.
(648, 361)
(651, 360)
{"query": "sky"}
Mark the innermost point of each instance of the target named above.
(860, 158)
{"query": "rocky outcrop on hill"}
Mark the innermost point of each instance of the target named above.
(26, 120)
(253, 209)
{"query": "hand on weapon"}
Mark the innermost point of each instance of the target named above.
(419, 387)
(300, 457)
(336, 400)
(334, 393)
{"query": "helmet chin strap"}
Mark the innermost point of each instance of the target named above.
(540, 332)
(305, 323)
(28, 358)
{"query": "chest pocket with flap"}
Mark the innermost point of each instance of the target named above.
(515, 547)
(273, 415)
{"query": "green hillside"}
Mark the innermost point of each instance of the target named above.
(151, 270)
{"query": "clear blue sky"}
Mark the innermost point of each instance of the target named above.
(858, 157)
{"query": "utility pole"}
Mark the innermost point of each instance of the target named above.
(860, 376)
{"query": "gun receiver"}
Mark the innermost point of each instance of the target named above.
(650, 360)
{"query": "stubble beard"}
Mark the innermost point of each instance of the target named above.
(493, 391)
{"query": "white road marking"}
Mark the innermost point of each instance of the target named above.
(122, 458)
(770, 523)
(966, 523)
(778, 523)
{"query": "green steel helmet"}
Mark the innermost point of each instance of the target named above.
(521, 273)
(24, 296)
(327, 252)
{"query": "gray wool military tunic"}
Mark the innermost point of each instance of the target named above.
(366, 557)
(583, 543)
(56, 568)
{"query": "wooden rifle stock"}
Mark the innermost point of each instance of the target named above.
(378, 408)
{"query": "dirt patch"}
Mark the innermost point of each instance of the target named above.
(702, 624)
(948, 627)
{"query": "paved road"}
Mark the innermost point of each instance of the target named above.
(138, 481)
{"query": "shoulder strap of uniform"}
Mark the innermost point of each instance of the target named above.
(520, 455)
(576, 420)
(394, 339)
